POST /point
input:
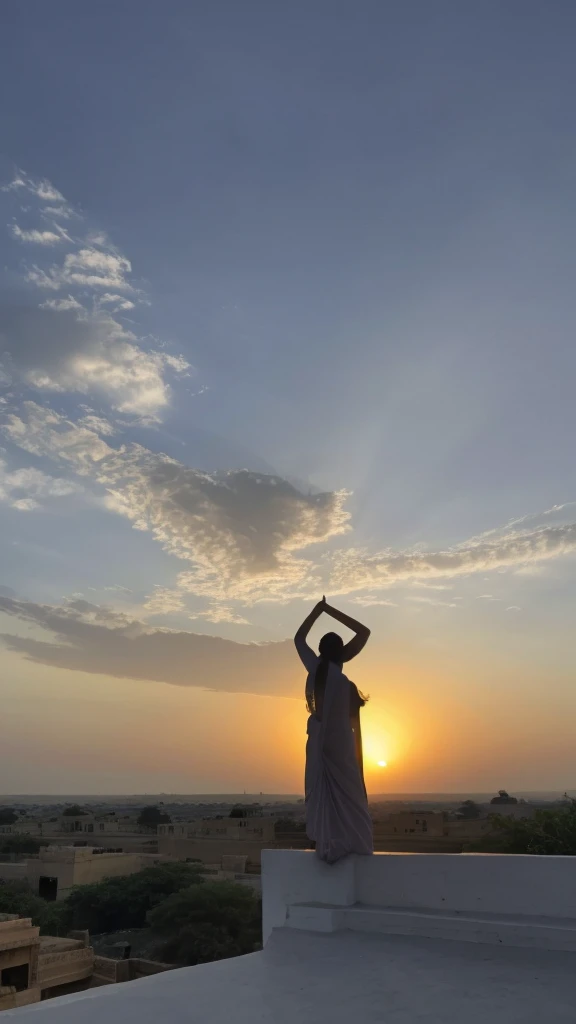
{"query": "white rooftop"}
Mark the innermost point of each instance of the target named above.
(302, 978)
(393, 939)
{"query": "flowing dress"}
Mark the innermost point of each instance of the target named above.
(337, 816)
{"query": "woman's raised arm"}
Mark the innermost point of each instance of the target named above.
(307, 656)
(355, 645)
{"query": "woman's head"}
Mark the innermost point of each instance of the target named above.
(331, 647)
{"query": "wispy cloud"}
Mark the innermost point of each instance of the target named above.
(27, 489)
(499, 550)
(62, 305)
(91, 351)
(43, 189)
(35, 236)
(164, 601)
(92, 638)
(97, 424)
(530, 570)
(119, 301)
(435, 602)
(431, 586)
(58, 349)
(221, 613)
(64, 211)
(89, 268)
(241, 531)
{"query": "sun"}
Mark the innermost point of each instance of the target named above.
(378, 752)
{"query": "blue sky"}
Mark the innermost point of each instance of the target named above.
(288, 305)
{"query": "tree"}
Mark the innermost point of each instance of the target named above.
(152, 816)
(549, 832)
(18, 898)
(53, 919)
(289, 825)
(7, 816)
(503, 798)
(208, 922)
(20, 844)
(124, 902)
(468, 810)
(74, 811)
(245, 811)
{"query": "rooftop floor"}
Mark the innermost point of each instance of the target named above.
(54, 944)
(342, 978)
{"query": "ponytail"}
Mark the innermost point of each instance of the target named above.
(315, 693)
(315, 697)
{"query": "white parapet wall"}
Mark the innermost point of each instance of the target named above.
(518, 900)
(490, 883)
(298, 876)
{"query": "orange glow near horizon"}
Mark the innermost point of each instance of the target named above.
(436, 730)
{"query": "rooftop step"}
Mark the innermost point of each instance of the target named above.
(531, 932)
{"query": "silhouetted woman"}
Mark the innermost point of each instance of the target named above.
(337, 818)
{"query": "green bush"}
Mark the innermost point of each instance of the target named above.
(107, 906)
(209, 922)
(18, 898)
(549, 832)
(468, 810)
(124, 902)
(20, 844)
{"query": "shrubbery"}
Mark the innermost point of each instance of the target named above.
(195, 921)
(549, 832)
(208, 922)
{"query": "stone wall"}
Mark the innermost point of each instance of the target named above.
(19, 942)
(55, 969)
(109, 972)
(12, 1000)
(104, 970)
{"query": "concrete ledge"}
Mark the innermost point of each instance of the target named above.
(516, 900)
(491, 883)
(298, 876)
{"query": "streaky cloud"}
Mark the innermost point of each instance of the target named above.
(98, 640)
(509, 549)
(239, 531)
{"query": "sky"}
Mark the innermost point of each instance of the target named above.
(287, 308)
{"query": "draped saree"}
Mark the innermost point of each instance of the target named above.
(337, 817)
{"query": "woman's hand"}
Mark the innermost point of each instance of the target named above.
(310, 619)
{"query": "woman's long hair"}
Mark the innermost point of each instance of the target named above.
(315, 696)
(331, 648)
